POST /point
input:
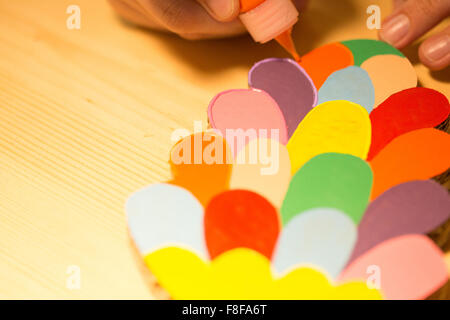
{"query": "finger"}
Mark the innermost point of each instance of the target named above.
(221, 10)
(189, 17)
(413, 19)
(228, 10)
(435, 51)
(127, 11)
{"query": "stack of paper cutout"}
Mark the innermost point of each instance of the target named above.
(344, 210)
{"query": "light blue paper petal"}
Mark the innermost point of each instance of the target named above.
(324, 238)
(351, 84)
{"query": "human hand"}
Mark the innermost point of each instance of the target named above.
(191, 19)
(413, 18)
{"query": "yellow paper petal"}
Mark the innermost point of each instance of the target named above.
(334, 126)
(179, 271)
(243, 274)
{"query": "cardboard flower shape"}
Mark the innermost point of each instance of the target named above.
(312, 184)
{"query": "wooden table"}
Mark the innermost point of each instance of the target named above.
(86, 118)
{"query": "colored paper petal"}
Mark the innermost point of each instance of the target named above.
(351, 84)
(321, 237)
(243, 274)
(390, 74)
(405, 111)
(417, 155)
(163, 214)
(409, 208)
(241, 218)
(322, 62)
(334, 126)
(289, 85)
(329, 180)
(363, 49)
(202, 164)
(180, 272)
(246, 114)
(409, 267)
(263, 166)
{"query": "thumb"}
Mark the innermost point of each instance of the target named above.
(221, 10)
(412, 19)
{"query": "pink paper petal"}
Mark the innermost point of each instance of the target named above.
(409, 267)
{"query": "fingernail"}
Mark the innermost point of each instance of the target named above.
(395, 29)
(438, 48)
(222, 9)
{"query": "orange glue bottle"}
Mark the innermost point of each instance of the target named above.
(266, 20)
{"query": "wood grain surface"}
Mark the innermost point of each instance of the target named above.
(86, 118)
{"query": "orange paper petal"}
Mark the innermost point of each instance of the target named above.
(201, 163)
(322, 62)
(417, 155)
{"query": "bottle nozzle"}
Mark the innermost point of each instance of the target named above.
(285, 40)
